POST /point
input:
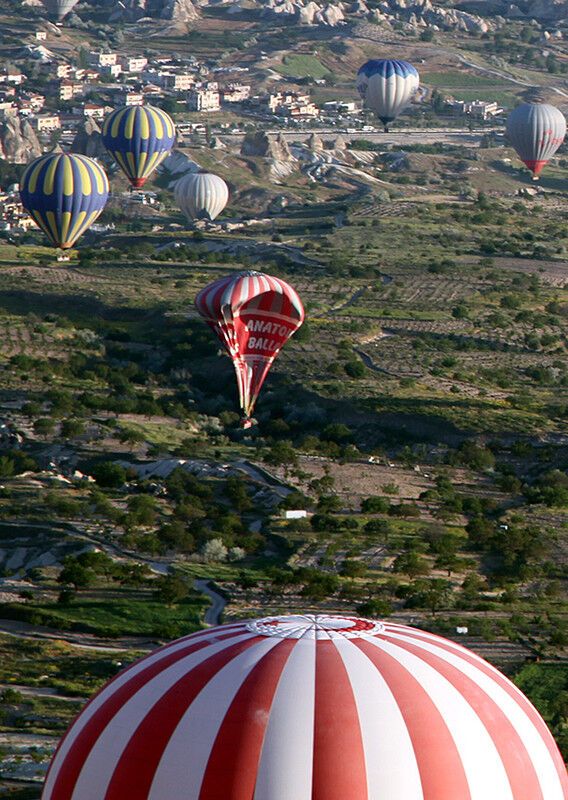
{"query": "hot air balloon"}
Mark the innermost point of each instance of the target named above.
(58, 9)
(387, 86)
(309, 707)
(139, 138)
(201, 195)
(64, 193)
(253, 315)
(536, 131)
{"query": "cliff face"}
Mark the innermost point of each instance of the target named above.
(18, 140)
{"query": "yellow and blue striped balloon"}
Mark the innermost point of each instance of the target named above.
(64, 193)
(138, 138)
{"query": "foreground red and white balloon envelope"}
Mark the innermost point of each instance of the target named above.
(309, 707)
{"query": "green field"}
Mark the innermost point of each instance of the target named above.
(302, 66)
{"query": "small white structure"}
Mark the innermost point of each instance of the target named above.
(295, 514)
(462, 629)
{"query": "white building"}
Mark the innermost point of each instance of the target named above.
(236, 93)
(98, 59)
(133, 64)
(178, 81)
(204, 99)
(479, 109)
(46, 122)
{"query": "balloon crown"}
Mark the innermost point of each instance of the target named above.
(315, 626)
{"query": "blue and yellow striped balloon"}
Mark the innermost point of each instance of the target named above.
(138, 138)
(64, 193)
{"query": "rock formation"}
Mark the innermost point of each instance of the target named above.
(315, 142)
(88, 140)
(18, 140)
(179, 11)
(274, 149)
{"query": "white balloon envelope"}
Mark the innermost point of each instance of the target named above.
(309, 707)
(201, 195)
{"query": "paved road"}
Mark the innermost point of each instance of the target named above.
(218, 602)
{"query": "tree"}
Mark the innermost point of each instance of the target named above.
(282, 454)
(353, 569)
(44, 426)
(411, 564)
(214, 550)
(171, 589)
(131, 436)
(375, 505)
(76, 574)
(70, 428)
(109, 475)
(143, 509)
(329, 503)
(355, 369)
(236, 491)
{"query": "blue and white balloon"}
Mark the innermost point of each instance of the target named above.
(387, 87)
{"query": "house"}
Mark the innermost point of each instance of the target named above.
(46, 122)
(12, 75)
(92, 110)
(341, 107)
(98, 59)
(133, 99)
(63, 70)
(133, 64)
(40, 36)
(235, 93)
(479, 109)
(204, 98)
(291, 104)
(178, 81)
(68, 89)
(114, 70)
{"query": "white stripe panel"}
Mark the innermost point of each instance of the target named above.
(181, 769)
(245, 290)
(392, 770)
(531, 738)
(99, 766)
(286, 762)
(109, 691)
(484, 770)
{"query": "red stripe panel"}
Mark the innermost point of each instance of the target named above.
(339, 758)
(233, 764)
(514, 693)
(517, 761)
(134, 773)
(85, 740)
(439, 763)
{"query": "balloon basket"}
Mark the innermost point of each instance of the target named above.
(247, 422)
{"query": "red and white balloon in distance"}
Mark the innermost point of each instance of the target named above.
(254, 315)
(309, 707)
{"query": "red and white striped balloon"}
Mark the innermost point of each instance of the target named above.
(311, 707)
(253, 315)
